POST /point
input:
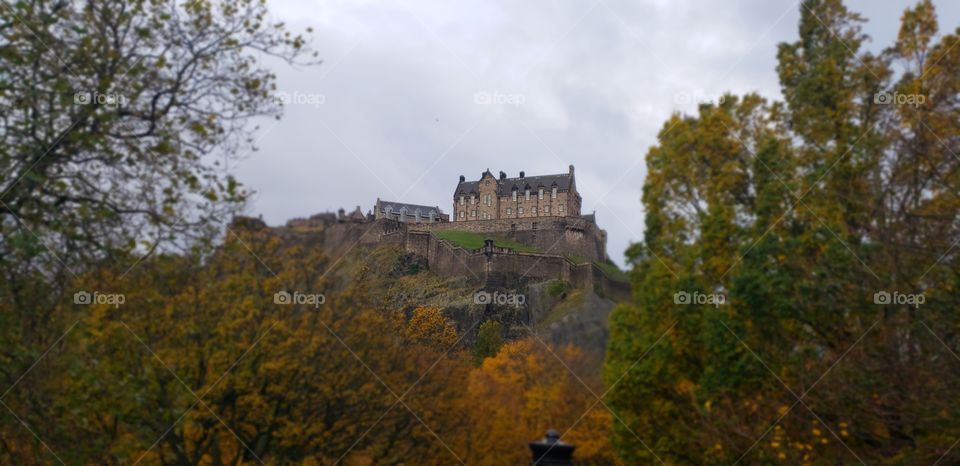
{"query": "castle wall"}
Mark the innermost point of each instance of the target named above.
(557, 237)
(572, 236)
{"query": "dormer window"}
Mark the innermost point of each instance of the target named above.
(462, 198)
(514, 195)
(540, 194)
(528, 194)
(553, 193)
(472, 199)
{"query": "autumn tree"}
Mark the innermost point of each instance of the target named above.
(799, 213)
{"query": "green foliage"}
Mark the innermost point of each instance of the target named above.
(556, 287)
(489, 341)
(471, 240)
(798, 213)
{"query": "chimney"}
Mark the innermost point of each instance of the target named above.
(521, 174)
(503, 175)
(463, 178)
(551, 451)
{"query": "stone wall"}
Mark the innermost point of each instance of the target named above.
(556, 236)
(570, 236)
(495, 265)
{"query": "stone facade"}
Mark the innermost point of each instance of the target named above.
(492, 198)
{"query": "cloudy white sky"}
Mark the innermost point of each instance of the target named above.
(413, 94)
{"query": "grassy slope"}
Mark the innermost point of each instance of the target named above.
(470, 240)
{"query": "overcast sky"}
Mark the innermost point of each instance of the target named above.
(413, 94)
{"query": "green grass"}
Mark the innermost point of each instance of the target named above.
(556, 287)
(471, 240)
(613, 272)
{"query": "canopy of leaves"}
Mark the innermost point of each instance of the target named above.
(799, 213)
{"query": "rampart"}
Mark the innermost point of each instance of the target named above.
(559, 238)
(569, 236)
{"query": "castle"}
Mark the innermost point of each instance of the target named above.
(541, 213)
(492, 198)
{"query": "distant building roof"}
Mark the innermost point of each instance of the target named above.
(506, 185)
(396, 208)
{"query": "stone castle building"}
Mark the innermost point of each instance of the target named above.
(523, 197)
(408, 213)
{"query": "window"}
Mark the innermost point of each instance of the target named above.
(546, 210)
(540, 194)
(472, 200)
(533, 211)
(488, 199)
(473, 214)
(514, 195)
(462, 214)
(461, 200)
(553, 193)
(528, 194)
(561, 207)
(509, 211)
(520, 210)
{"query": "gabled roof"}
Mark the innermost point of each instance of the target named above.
(505, 186)
(410, 209)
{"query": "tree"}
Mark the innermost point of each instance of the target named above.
(526, 388)
(799, 213)
(117, 115)
(489, 341)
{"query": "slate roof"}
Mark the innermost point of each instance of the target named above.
(505, 186)
(394, 208)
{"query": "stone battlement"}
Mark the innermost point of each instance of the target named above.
(571, 236)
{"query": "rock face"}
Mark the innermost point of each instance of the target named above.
(570, 316)
(562, 308)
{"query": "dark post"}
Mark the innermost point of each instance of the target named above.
(551, 451)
